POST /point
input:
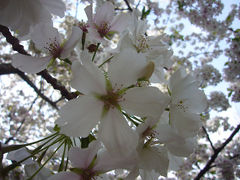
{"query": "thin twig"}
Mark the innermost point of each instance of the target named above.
(22, 122)
(208, 138)
(1, 165)
(9, 69)
(128, 5)
(215, 154)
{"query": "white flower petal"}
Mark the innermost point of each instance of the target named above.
(45, 34)
(145, 101)
(194, 99)
(149, 175)
(182, 149)
(65, 176)
(26, 15)
(104, 14)
(56, 7)
(120, 23)
(125, 42)
(166, 134)
(30, 169)
(87, 78)
(158, 75)
(81, 115)
(187, 124)
(180, 80)
(71, 42)
(118, 138)
(19, 155)
(89, 13)
(177, 78)
(106, 162)
(148, 123)
(175, 162)
(94, 36)
(126, 68)
(30, 64)
(154, 158)
(133, 174)
(82, 158)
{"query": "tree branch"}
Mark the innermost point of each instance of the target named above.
(12, 40)
(128, 5)
(20, 49)
(9, 69)
(1, 158)
(208, 138)
(215, 154)
(56, 85)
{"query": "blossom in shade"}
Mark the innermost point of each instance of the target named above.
(19, 155)
(106, 98)
(187, 103)
(22, 15)
(47, 39)
(104, 24)
(152, 47)
(90, 163)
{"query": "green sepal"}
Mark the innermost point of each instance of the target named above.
(66, 60)
(169, 92)
(51, 62)
(110, 34)
(87, 140)
(56, 128)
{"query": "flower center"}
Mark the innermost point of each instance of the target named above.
(182, 106)
(54, 49)
(111, 99)
(83, 26)
(87, 174)
(141, 43)
(103, 29)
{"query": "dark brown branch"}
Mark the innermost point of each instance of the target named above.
(215, 154)
(9, 69)
(12, 40)
(208, 138)
(20, 49)
(56, 85)
(1, 158)
(128, 5)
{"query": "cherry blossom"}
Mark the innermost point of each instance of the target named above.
(90, 163)
(48, 40)
(187, 102)
(23, 15)
(105, 99)
(104, 24)
(152, 47)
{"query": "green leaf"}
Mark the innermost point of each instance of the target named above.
(229, 18)
(145, 13)
(230, 92)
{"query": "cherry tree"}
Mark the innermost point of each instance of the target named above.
(125, 93)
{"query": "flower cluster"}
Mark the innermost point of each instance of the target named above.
(218, 101)
(139, 127)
